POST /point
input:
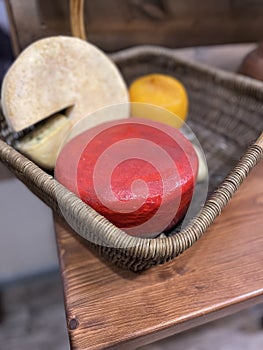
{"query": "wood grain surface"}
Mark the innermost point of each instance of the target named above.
(173, 23)
(222, 273)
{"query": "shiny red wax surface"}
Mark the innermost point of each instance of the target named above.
(134, 172)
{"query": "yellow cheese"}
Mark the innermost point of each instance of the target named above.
(43, 143)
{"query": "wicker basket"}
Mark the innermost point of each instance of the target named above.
(226, 114)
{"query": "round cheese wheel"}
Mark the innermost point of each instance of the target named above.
(139, 174)
(56, 73)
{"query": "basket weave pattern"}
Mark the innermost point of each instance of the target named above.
(226, 114)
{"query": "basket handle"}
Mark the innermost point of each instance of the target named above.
(77, 19)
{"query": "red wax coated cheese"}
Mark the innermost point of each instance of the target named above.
(137, 173)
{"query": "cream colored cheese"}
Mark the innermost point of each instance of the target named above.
(42, 144)
(55, 73)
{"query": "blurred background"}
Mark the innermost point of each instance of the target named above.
(32, 311)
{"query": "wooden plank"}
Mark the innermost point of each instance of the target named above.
(30, 20)
(222, 273)
(172, 23)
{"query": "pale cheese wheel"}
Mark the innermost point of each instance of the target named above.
(57, 73)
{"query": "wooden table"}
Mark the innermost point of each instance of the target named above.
(221, 274)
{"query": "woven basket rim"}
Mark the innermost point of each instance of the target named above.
(87, 221)
(233, 79)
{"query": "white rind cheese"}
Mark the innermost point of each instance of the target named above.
(55, 73)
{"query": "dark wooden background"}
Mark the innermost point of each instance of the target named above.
(117, 24)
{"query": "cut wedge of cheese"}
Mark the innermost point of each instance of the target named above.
(202, 166)
(43, 143)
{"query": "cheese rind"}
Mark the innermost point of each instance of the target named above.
(55, 73)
